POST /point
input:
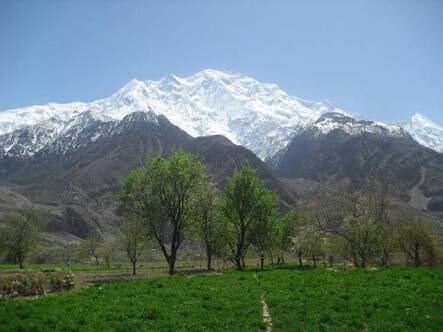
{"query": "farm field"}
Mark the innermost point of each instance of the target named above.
(310, 300)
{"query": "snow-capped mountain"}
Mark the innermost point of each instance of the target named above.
(425, 132)
(259, 116)
(351, 125)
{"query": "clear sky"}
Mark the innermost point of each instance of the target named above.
(381, 59)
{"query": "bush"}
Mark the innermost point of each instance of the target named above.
(34, 283)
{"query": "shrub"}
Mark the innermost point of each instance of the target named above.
(34, 283)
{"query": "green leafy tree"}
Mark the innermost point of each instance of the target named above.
(20, 235)
(162, 194)
(206, 225)
(261, 235)
(245, 201)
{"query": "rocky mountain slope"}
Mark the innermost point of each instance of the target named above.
(341, 146)
(76, 188)
(67, 159)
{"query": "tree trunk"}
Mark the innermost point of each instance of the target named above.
(96, 260)
(171, 263)
(355, 259)
(385, 258)
(300, 262)
(331, 260)
(20, 263)
(363, 262)
(209, 259)
(262, 260)
(417, 259)
(243, 263)
(238, 262)
(134, 267)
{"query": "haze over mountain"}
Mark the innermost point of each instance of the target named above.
(259, 116)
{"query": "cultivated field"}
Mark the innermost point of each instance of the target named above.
(395, 299)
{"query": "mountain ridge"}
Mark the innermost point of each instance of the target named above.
(260, 116)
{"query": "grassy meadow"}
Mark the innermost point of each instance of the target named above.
(395, 299)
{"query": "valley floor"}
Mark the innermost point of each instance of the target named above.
(291, 300)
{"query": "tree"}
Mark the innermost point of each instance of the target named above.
(90, 248)
(333, 248)
(206, 220)
(293, 235)
(68, 252)
(360, 218)
(379, 204)
(416, 241)
(20, 235)
(261, 235)
(134, 238)
(106, 251)
(245, 204)
(162, 194)
(313, 244)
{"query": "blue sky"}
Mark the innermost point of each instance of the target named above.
(381, 59)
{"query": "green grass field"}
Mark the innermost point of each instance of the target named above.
(389, 299)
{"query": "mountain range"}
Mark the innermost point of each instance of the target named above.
(67, 159)
(259, 116)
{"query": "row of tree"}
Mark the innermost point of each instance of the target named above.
(170, 200)
(173, 199)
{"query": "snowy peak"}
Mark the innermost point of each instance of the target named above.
(426, 132)
(259, 116)
(350, 125)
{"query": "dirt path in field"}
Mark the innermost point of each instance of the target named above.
(418, 200)
(266, 313)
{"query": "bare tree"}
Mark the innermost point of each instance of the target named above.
(332, 248)
(90, 248)
(417, 242)
(134, 239)
(106, 251)
(68, 252)
(361, 218)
